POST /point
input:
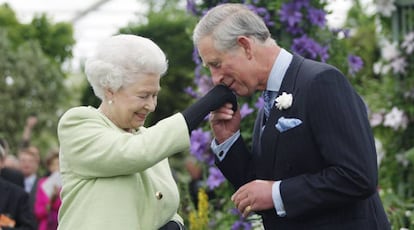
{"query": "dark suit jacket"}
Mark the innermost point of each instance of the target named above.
(327, 164)
(32, 194)
(12, 175)
(14, 202)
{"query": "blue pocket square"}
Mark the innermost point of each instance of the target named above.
(284, 124)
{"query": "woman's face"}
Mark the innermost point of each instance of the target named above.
(131, 104)
(54, 165)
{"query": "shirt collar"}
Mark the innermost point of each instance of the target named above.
(279, 69)
(29, 182)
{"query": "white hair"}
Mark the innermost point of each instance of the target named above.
(121, 60)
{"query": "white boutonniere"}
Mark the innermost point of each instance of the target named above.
(284, 101)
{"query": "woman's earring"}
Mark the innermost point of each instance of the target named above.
(110, 102)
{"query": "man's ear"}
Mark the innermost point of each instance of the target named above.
(246, 44)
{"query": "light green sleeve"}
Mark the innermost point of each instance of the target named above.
(178, 218)
(91, 146)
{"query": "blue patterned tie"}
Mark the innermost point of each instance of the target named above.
(268, 96)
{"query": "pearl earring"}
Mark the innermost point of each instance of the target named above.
(110, 102)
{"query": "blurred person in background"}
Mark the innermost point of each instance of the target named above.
(47, 200)
(115, 171)
(11, 161)
(29, 160)
(15, 211)
(9, 171)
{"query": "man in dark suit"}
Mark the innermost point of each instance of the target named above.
(15, 211)
(14, 208)
(12, 175)
(29, 159)
(313, 161)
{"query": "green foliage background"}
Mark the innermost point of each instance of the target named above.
(32, 79)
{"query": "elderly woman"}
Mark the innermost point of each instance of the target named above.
(115, 172)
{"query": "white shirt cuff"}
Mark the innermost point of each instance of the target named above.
(222, 149)
(277, 199)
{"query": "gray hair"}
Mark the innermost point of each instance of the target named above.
(228, 21)
(120, 60)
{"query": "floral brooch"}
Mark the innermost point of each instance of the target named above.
(284, 101)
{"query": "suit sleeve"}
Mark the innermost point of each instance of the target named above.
(25, 219)
(341, 131)
(236, 166)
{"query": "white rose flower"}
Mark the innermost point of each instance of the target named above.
(284, 101)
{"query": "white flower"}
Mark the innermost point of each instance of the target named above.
(380, 151)
(396, 119)
(408, 43)
(284, 101)
(385, 7)
(389, 50)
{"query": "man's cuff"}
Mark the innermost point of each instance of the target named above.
(222, 149)
(277, 199)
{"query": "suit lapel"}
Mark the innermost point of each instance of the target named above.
(269, 138)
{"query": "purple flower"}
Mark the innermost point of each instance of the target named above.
(197, 72)
(301, 3)
(294, 30)
(259, 103)
(241, 225)
(317, 17)
(290, 14)
(200, 145)
(262, 12)
(196, 56)
(204, 84)
(215, 178)
(191, 7)
(235, 212)
(190, 91)
(309, 48)
(355, 64)
(245, 110)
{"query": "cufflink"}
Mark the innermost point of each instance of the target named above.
(158, 195)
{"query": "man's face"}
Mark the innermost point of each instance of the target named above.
(28, 164)
(232, 68)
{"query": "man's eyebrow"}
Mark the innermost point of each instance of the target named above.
(212, 62)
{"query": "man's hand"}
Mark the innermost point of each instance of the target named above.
(254, 196)
(31, 121)
(224, 122)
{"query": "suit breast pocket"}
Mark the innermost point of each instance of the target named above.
(297, 151)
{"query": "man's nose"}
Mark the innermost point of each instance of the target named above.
(216, 77)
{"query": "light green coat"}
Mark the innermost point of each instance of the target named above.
(111, 177)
